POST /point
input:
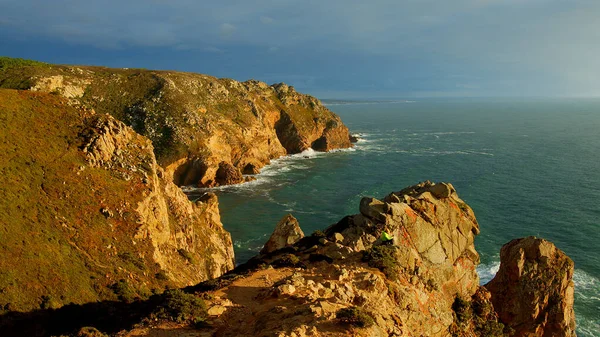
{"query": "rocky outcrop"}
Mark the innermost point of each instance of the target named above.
(533, 290)
(286, 233)
(176, 227)
(345, 281)
(406, 289)
(89, 215)
(205, 131)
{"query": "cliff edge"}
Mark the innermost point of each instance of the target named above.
(205, 131)
(87, 213)
(350, 280)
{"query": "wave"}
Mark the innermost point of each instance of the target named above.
(587, 295)
(487, 272)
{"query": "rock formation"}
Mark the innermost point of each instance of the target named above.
(345, 282)
(87, 213)
(533, 290)
(286, 233)
(406, 289)
(205, 131)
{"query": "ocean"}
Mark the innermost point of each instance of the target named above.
(525, 166)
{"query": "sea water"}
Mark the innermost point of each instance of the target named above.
(526, 167)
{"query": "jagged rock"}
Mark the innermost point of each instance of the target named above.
(533, 289)
(216, 310)
(286, 233)
(228, 174)
(423, 285)
(373, 209)
(120, 218)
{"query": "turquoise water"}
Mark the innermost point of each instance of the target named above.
(528, 167)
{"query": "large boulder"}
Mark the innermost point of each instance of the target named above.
(228, 174)
(286, 233)
(533, 290)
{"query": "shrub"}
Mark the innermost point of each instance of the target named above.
(318, 234)
(186, 255)
(181, 307)
(124, 291)
(355, 316)
(134, 260)
(9, 62)
(161, 276)
(384, 259)
(462, 310)
(287, 260)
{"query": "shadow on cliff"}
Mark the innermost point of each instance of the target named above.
(107, 316)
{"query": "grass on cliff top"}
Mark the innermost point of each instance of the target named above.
(56, 245)
(10, 62)
(175, 110)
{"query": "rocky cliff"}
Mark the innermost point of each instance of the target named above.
(347, 281)
(87, 214)
(205, 131)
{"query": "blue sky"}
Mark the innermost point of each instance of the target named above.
(332, 49)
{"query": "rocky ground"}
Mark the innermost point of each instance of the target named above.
(346, 282)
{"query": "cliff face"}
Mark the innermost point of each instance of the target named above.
(350, 281)
(346, 282)
(87, 214)
(533, 290)
(205, 131)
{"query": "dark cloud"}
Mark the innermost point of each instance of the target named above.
(409, 47)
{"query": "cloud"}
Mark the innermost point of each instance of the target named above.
(266, 20)
(226, 30)
(212, 49)
(500, 45)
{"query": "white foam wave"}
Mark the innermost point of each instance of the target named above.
(246, 243)
(348, 149)
(487, 271)
(586, 281)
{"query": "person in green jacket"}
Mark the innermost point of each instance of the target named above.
(386, 239)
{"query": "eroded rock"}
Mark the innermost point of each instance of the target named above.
(533, 289)
(286, 233)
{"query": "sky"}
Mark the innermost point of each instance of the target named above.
(342, 49)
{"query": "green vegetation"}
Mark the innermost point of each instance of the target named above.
(181, 307)
(287, 260)
(10, 62)
(186, 255)
(355, 316)
(135, 261)
(124, 291)
(318, 234)
(51, 217)
(383, 257)
(478, 316)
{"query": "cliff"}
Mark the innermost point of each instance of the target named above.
(346, 281)
(205, 131)
(87, 214)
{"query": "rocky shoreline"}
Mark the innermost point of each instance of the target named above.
(95, 226)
